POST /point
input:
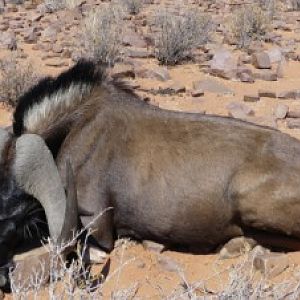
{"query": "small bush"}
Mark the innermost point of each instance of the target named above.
(103, 33)
(133, 6)
(16, 78)
(179, 34)
(248, 24)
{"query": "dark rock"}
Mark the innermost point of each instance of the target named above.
(197, 93)
(251, 98)
(266, 75)
(267, 94)
(293, 94)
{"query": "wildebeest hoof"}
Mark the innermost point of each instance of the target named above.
(236, 247)
(94, 255)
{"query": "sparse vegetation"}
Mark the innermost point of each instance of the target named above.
(102, 33)
(179, 34)
(16, 78)
(248, 24)
(133, 6)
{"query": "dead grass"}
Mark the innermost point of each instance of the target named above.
(179, 33)
(16, 78)
(102, 34)
(249, 23)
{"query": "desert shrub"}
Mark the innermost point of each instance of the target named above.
(102, 34)
(249, 23)
(270, 6)
(133, 6)
(16, 78)
(179, 34)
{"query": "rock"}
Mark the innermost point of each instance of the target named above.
(161, 74)
(272, 264)
(293, 113)
(152, 246)
(251, 98)
(168, 264)
(293, 123)
(275, 55)
(293, 94)
(213, 86)
(31, 264)
(50, 33)
(8, 41)
(56, 62)
(223, 65)
(239, 110)
(30, 36)
(258, 251)
(280, 68)
(236, 247)
(131, 38)
(197, 93)
(245, 76)
(267, 94)
(261, 60)
(281, 111)
(94, 255)
(266, 75)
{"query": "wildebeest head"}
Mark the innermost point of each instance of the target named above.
(31, 192)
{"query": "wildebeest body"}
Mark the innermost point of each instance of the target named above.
(179, 178)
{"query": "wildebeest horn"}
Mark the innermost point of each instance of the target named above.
(37, 174)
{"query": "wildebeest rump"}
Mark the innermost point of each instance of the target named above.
(180, 179)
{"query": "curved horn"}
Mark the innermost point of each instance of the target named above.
(37, 174)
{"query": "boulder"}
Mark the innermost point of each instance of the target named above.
(261, 60)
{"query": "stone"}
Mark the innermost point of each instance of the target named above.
(30, 36)
(281, 111)
(280, 68)
(266, 75)
(213, 86)
(275, 55)
(28, 264)
(161, 74)
(197, 93)
(261, 60)
(138, 53)
(292, 94)
(236, 247)
(131, 38)
(251, 98)
(56, 62)
(57, 48)
(267, 94)
(293, 123)
(294, 113)
(153, 246)
(272, 264)
(223, 65)
(239, 110)
(246, 77)
(168, 264)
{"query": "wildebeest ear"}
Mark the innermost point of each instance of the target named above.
(36, 172)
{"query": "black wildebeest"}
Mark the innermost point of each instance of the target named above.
(176, 178)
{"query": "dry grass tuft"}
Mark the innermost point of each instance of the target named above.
(103, 30)
(180, 33)
(16, 78)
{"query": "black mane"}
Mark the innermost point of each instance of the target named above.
(84, 72)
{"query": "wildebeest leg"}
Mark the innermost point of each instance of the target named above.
(267, 198)
(100, 220)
